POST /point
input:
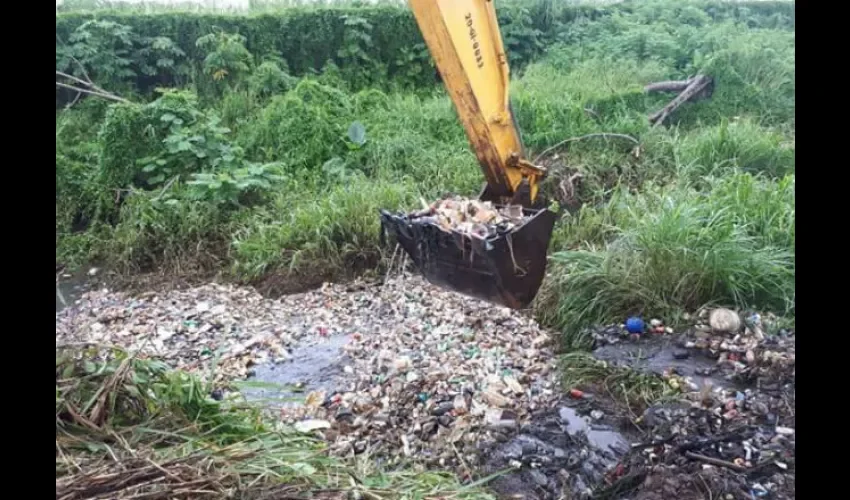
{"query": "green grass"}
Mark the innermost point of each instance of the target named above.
(302, 235)
(659, 219)
(737, 145)
(632, 390)
(674, 249)
(127, 426)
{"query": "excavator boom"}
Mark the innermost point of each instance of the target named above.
(505, 267)
(464, 40)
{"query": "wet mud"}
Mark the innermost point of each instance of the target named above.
(658, 354)
(562, 452)
(730, 435)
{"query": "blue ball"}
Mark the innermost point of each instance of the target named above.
(634, 325)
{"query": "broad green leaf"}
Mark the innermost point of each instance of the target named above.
(357, 133)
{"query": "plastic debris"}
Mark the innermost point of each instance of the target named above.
(724, 321)
(311, 425)
(472, 217)
(634, 325)
(416, 362)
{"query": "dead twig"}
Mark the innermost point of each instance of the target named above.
(85, 83)
(88, 87)
(567, 187)
(606, 135)
(715, 461)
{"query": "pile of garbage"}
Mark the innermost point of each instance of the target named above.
(719, 347)
(737, 445)
(732, 434)
(434, 376)
(229, 326)
(472, 217)
(427, 375)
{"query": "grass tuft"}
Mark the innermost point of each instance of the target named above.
(326, 234)
(635, 391)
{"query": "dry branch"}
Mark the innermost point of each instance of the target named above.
(606, 135)
(694, 88)
(87, 87)
(715, 461)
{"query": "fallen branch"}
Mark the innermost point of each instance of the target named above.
(88, 87)
(730, 437)
(587, 136)
(698, 87)
(670, 86)
(111, 97)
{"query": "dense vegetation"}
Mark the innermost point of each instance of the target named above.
(263, 144)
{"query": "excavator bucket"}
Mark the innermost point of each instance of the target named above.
(505, 269)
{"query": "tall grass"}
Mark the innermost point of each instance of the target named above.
(673, 249)
(324, 235)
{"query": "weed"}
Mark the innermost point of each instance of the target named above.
(737, 145)
(327, 235)
(634, 391)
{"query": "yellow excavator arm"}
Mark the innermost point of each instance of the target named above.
(506, 267)
(466, 45)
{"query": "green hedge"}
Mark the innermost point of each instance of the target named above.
(308, 37)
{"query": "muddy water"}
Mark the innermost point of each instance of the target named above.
(655, 355)
(560, 450)
(598, 436)
(310, 367)
(69, 289)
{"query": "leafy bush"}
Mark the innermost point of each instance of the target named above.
(114, 56)
(235, 186)
(225, 57)
(303, 128)
(193, 141)
(270, 79)
(103, 49)
(171, 142)
(161, 60)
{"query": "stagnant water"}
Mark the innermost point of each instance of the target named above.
(312, 366)
(69, 289)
